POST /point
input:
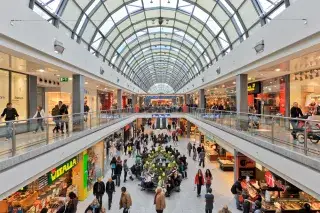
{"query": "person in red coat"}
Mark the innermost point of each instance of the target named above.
(199, 181)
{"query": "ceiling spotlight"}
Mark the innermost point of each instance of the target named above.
(259, 47)
(168, 1)
(234, 82)
(86, 82)
(40, 70)
(151, 1)
(277, 70)
(218, 70)
(160, 20)
(101, 71)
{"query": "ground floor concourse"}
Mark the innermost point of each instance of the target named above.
(185, 201)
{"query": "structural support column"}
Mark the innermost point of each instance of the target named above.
(32, 96)
(187, 99)
(119, 98)
(235, 166)
(286, 80)
(180, 100)
(174, 100)
(78, 102)
(140, 101)
(188, 129)
(77, 94)
(242, 101)
(202, 101)
(134, 100)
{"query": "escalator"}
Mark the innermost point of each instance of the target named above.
(158, 123)
(164, 123)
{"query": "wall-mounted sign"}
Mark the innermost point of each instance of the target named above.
(273, 182)
(64, 79)
(161, 115)
(54, 174)
(254, 88)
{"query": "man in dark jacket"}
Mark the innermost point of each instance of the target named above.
(99, 190)
(209, 201)
(246, 204)
(64, 116)
(295, 113)
(237, 190)
(117, 173)
(11, 115)
(110, 189)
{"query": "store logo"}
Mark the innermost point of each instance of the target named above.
(61, 170)
(272, 182)
(16, 97)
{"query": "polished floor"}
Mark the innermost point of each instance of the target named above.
(185, 201)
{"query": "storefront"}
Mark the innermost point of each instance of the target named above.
(305, 89)
(50, 190)
(14, 89)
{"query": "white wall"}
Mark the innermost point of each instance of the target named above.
(32, 37)
(283, 37)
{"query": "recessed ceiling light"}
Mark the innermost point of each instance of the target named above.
(86, 82)
(40, 70)
(234, 82)
(70, 79)
(58, 75)
(97, 86)
(277, 70)
(249, 78)
(223, 86)
(261, 74)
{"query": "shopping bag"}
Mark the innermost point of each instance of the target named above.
(114, 177)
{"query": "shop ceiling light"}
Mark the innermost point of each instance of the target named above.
(259, 47)
(58, 47)
(277, 70)
(86, 82)
(40, 70)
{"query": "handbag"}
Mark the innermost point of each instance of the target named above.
(114, 177)
(65, 118)
(126, 210)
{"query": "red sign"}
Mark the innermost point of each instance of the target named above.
(272, 182)
(269, 179)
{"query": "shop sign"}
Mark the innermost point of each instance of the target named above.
(272, 182)
(247, 172)
(54, 174)
(160, 115)
(64, 79)
(254, 88)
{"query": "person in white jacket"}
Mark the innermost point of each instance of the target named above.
(39, 116)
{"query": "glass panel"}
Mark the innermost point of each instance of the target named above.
(120, 14)
(220, 15)
(213, 26)
(4, 87)
(71, 14)
(248, 14)
(107, 26)
(88, 33)
(99, 15)
(276, 12)
(231, 31)
(97, 40)
(267, 5)
(52, 6)
(200, 14)
(19, 94)
(41, 12)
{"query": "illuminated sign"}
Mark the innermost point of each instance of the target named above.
(254, 88)
(64, 79)
(54, 174)
(272, 182)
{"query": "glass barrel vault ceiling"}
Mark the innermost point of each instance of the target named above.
(159, 41)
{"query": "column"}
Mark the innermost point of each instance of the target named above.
(174, 100)
(140, 102)
(180, 100)
(77, 101)
(286, 79)
(119, 98)
(235, 166)
(32, 96)
(134, 100)
(187, 99)
(242, 92)
(188, 129)
(202, 104)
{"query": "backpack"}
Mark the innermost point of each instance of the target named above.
(234, 189)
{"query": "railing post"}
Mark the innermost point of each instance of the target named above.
(305, 138)
(14, 141)
(90, 121)
(47, 133)
(272, 130)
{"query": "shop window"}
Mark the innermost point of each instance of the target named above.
(4, 88)
(19, 94)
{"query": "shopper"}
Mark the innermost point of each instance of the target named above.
(125, 200)
(11, 115)
(225, 209)
(208, 179)
(246, 204)
(236, 190)
(39, 116)
(86, 110)
(209, 197)
(63, 111)
(306, 208)
(113, 165)
(44, 210)
(118, 171)
(72, 203)
(55, 112)
(202, 156)
(110, 189)
(189, 147)
(99, 190)
(295, 113)
(94, 207)
(125, 170)
(257, 208)
(199, 181)
(159, 200)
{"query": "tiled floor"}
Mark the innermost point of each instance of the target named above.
(184, 202)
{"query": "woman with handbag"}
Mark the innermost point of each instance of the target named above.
(208, 179)
(113, 165)
(40, 117)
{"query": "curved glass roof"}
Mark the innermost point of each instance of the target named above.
(160, 88)
(159, 41)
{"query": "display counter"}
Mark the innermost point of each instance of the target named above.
(226, 165)
(212, 155)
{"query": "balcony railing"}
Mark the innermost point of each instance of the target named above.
(20, 136)
(296, 134)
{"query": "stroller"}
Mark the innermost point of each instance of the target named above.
(313, 131)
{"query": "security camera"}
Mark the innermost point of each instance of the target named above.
(160, 20)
